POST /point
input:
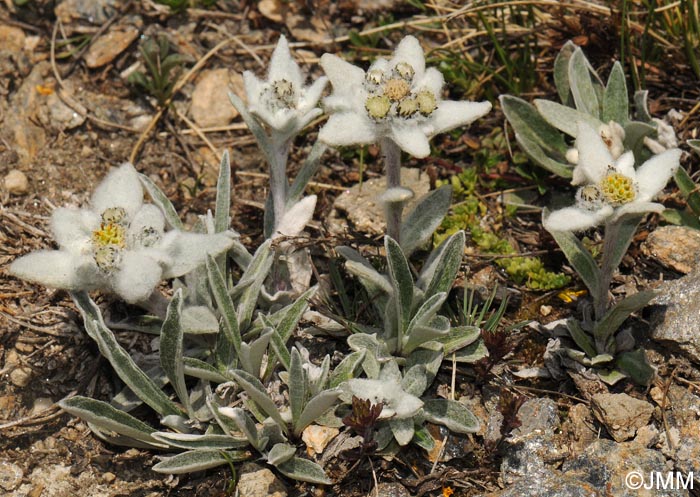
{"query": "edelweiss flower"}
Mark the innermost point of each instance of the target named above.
(612, 134)
(283, 102)
(397, 99)
(611, 188)
(119, 244)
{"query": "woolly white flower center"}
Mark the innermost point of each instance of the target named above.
(391, 94)
(280, 94)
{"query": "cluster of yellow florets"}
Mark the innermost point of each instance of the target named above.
(109, 239)
(390, 94)
(618, 189)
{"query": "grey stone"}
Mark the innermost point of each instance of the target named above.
(621, 414)
(606, 466)
(10, 475)
(530, 453)
(579, 428)
(257, 481)
(676, 247)
(677, 319)
(93, 11)
(538, 415)
(362, 207)
(389, 490)
(547, 483)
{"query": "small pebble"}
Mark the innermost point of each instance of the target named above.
(21, 376)
(545, 310)
(41, 404)
(16, 182)
(109, 477)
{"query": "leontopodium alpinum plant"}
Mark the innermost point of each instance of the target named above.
(397, 103)
(278, 109)
(118, 244)
(612, 193)
(545, 130)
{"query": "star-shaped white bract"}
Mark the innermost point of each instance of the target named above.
(611, 188)
(119, 244)
(397, 99)
(282, 102)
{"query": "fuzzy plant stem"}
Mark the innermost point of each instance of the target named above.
(156, 304)
(278, 179)
(392, 165)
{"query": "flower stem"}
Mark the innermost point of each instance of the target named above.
(392, 165)
(278, 179)
(156, 304)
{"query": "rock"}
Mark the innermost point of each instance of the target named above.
(11, 38)
(547, 483)
(606, 464)
(108, 46)
(362, 208)
(21, 376)
(109, 477)
(579, 428)
(647, 436)
(210, 103)
(621, 414)
(41, 404)
(20, 127)
(318, 437)
(389, 490)
(16, 183)
(530, 453)
(678, 320)
(538, 415)
(61, 116)
(94, 11)
(676, 247)
(10, 475)
(256, 481)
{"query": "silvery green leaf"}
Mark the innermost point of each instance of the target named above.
(308, 169)
(535, 152)
(315, 408)
(252, 355)
(108, 418)
(530, 126)
(635, 364)
(198, 320)
(453, 415)
(304, 470)
(688, 187)
(258, 394)
(297, 386)
(610, 377)
(579, 257)
(423, 439)
(641, 107)
(346, 369)
(415, 381)
(161, 200)
(635, 132)
(601, 359)
(561, 71)
(374, 282)
(383, 436)
(287, 318)
(114, 438)
(200, 442)
(243, 423)
(430, 358)
(142, 324)
(316, 384)
(203, 370)
(256, 271)
(198, 460)
(225, 423)
(403, 430)
(402, 280)
(280, 453)
(446, 265)
(418, 226)
(459, 336)
(228, 343)
(565, 118)
(615, 98)
(171, 350)
(472, 353)
(121, 361)
(582, 339)
(426, 312)
(622, 232)
(279, 347)
(437, 259)
(426, 334)
(177, 422)
(390, 372)
(613, 319)
(223, 195)
(582, 85)
(126, 400)
(694, 144)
